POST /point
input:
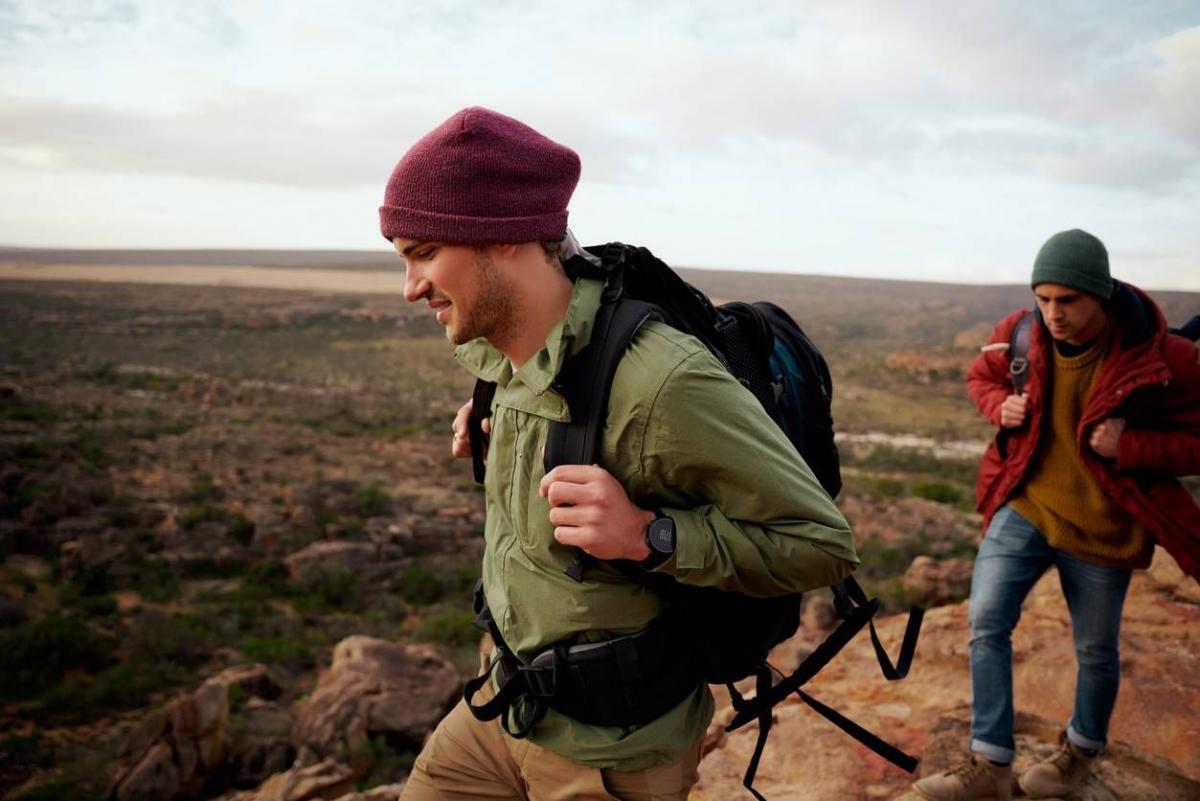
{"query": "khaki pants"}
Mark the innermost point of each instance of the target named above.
(466, 758)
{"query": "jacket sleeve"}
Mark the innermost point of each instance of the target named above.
(749, 514)
(988, 383)
(1173, 446)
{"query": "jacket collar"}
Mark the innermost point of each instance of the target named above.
(568, 337)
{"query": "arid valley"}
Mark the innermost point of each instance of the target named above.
(236, 555)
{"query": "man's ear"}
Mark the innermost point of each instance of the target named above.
(507, 251)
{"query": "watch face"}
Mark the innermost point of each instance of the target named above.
(662, 535)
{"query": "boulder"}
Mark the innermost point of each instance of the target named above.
(261, 742)
(819, 613)
(374, 687)
(328, 556)
(321, 781)
(13, 611)
(388, 792)
(175, 751)
(939, 582)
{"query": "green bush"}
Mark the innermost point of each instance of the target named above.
(290, 653)
(91, 580)
(26, 750)
(241, 528)
(155, 580)
(421, 586)
(453, 627)
(81, 700)
(156, 638)
(887, 487)
(937, 491)
(121, 514)
(27, 410)
(202, 490)
(388, 765)
(267, 579)
(321, 593)
(371, 501)
(93, 606)
(32, 455)
(55, 790)
(39, 653)
(201, 513)
(93, 446)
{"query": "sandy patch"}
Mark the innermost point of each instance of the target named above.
(352, 281)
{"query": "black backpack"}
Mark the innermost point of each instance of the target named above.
(768, 352)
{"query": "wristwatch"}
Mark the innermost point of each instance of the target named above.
(660, 539)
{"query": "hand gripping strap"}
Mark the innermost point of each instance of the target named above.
(585, 382)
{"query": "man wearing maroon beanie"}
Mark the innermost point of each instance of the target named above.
(477, 209)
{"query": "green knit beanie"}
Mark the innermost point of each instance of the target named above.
(1076, 259)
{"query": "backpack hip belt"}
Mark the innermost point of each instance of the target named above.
(626, 681)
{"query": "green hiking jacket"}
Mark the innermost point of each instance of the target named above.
(682, 435)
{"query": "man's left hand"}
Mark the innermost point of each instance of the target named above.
(590, 510)
(1105, 437)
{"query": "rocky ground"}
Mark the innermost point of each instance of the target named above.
(1155, 727)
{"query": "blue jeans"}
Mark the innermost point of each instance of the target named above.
(1012, 557)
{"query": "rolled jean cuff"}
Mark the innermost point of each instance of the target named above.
(1079, 741)
(993, 752)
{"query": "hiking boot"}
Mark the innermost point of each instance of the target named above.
(1059, 774)
(974, 780)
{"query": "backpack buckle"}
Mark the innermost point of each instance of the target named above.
(541, 675)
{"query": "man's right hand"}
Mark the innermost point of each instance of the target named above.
(460, 446)
(1012, 411)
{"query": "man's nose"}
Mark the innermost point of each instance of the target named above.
(416, 286)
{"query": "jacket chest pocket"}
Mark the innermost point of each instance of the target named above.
(514, 473)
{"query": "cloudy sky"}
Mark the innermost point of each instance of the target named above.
(932, 140)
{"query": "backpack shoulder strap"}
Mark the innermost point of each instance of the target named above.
(585, 382)
(1018, 351)
(481, 409)
(1189, 330)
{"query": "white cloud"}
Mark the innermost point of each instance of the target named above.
(924, 122)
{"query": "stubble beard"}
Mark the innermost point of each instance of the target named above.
(494, 311)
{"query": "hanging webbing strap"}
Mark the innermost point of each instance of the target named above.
(857, 612)
(849, 594)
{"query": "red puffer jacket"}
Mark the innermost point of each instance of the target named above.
(1150, 378)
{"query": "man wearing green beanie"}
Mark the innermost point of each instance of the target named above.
(1097, 409)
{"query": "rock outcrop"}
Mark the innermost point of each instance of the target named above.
(177, 752)
(936, 583)
(374, 688)
(319, 781)
(1154, 728)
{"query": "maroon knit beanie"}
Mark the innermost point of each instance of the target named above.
(480, 178)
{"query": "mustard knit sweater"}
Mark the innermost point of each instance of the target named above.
(1061, 497)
